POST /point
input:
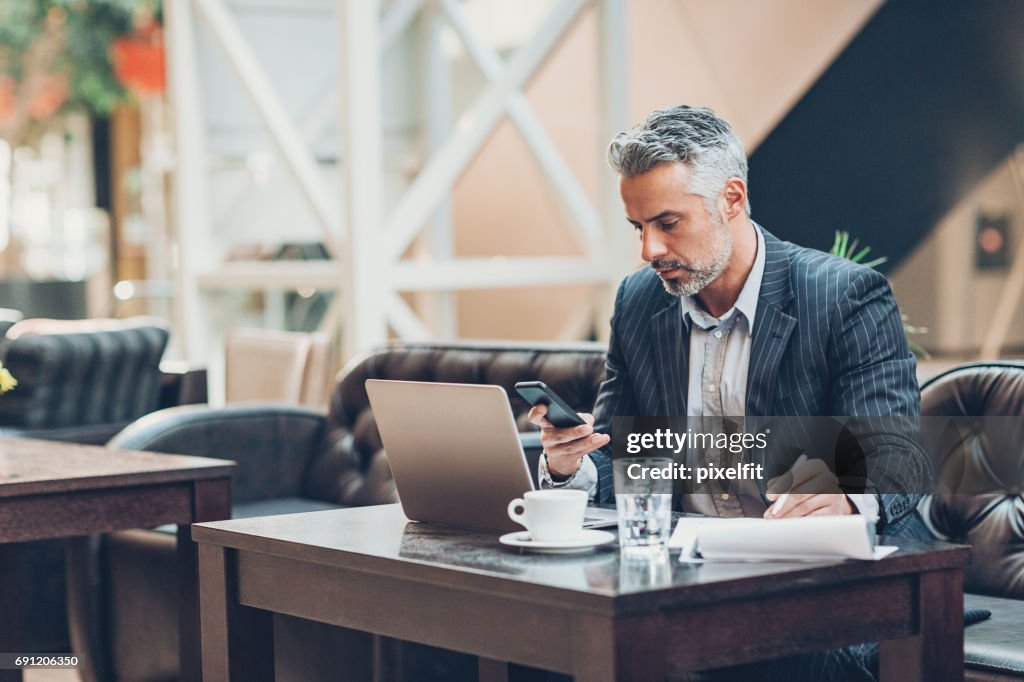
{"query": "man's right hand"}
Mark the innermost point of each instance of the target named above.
(567, 447)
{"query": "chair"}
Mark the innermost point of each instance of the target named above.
(80, 381)
(989, 463)
(264, 365)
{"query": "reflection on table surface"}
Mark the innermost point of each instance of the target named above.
(384, 532)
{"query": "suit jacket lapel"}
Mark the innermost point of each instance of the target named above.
(672, 347)
(773, 327)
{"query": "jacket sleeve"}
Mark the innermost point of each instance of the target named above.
(615, 398)
(875, 384)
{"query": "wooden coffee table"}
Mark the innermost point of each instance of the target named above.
(593, 616)
(51, 489)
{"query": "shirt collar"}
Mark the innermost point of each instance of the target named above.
(746, 303)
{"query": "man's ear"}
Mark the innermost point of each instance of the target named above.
(734, 194)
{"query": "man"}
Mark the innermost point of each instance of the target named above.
(729, 321)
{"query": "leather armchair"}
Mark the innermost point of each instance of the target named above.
(80, 381)
(289, 460)
(990, 464)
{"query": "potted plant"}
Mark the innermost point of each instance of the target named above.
(61, 55)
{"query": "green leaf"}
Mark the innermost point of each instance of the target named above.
(843, 247)
(859, 256)
(852, 248)
(84, 38)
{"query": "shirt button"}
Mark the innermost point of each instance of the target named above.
(725, 496)
(718, 335)
(711, 387)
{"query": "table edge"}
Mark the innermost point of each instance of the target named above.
(955, 557)
(200, 472)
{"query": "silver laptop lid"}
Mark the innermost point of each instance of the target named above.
(454, 451)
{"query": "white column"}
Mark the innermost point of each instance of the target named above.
(438, 109)
(366, 281)
(191, 254)
(613, 61)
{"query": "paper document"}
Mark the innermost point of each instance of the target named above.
(809, 538)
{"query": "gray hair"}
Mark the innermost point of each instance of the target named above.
(693, 135)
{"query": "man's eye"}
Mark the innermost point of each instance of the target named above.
(668, 226)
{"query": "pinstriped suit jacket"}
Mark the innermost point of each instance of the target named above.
(827, 341)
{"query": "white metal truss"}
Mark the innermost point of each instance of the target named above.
(286, 136)
(368, 244)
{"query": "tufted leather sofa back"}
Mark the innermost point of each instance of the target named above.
(350, 467)
(989, 462)
(71, 376)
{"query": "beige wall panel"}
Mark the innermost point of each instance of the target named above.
(761, 56)
(914, 286)
(503, 204)
(536, 313)
(504, 207)
(938, 285)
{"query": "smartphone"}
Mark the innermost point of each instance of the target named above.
(559, 413)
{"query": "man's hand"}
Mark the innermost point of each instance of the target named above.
(822, 494)
(566, 447)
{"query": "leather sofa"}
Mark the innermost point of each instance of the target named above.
(291, 459)
(985, 459)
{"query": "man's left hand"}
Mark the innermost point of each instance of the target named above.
(813, 491)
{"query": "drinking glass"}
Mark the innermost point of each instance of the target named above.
(644, 502)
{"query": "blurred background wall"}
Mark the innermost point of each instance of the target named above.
(896, 121)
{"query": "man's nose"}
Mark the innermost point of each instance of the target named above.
(651, 246)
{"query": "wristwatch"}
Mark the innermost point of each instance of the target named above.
(547, 479)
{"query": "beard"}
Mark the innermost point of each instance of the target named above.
(699, 272)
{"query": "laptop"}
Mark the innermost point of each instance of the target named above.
(455, 454)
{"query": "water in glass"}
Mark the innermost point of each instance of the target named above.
(645, 519)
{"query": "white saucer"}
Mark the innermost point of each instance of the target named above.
(587, 540)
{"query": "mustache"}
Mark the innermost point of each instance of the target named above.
(662, 265)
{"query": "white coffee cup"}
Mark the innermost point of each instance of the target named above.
(550, 515)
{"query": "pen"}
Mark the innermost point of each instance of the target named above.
(781, 502)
